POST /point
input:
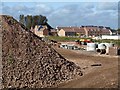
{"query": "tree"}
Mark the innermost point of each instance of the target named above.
(35, 20)
(43, 19)
(22, 19)
(28, 21)
(39, 20)
(118, 31)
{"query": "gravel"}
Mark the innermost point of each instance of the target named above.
(29, 62)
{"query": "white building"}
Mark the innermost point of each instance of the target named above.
(111, 37)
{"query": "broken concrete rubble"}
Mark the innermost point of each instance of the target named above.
(29, 62)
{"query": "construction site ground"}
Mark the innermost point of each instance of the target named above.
(99, 71)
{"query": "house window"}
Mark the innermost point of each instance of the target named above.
(70, 34)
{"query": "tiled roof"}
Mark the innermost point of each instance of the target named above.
(72, 29)
(79, 30)
(53, 30)
(91, 28)
(105, 30)
(68, 30)
(82, 29)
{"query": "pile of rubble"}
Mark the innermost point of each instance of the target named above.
(29, 62)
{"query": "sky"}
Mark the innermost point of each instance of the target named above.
(69, 13)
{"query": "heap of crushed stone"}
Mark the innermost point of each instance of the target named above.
(29, 62)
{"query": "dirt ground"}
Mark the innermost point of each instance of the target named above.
(0, 59)
(105, 75)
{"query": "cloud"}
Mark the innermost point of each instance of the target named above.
(0, 8)
(107, 6)
(85, 14)
(7, 10)
(105, 18)
(88, 5)
(16, 10)
(70, 14)
(42, 9)
(20, 8)
(38, 9)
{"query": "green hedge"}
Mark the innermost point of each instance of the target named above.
(63, 39)
(117, 42)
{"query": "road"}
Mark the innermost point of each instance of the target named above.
(103, 76)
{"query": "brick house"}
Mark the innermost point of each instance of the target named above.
(41, 30)
(70, 31)
(54, 32)
(86, 31)
(92, 31)
(106, 31)
(79, 31)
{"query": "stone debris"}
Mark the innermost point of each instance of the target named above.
(29, 62)
(97, 64)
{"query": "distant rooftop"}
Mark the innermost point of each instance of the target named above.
(89, 26)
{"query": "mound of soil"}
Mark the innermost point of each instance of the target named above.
(29, 62)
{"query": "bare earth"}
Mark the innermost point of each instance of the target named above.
(104, 76)
(0, 58)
